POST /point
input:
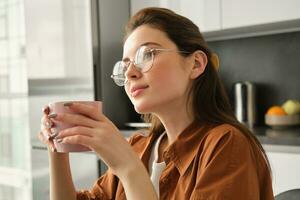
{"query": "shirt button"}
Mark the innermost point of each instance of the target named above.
(171, 154)
(165, 181)
(166, 156)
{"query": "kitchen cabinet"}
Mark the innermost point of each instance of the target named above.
(236, 13)
(204, 13)
(228, 19)
(285, 168)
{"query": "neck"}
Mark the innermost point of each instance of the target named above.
(175, 121)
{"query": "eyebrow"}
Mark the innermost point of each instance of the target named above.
(149, 43)
(144, 44)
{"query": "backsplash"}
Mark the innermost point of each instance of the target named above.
(272, 62)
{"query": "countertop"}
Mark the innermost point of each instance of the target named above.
(290, 136)
(266, 135)
(279, 140)
(285, 140)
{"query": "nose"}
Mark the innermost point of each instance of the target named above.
(132, 73)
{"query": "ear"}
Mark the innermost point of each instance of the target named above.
(200, 62)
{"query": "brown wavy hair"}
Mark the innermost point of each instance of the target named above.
(210, 102)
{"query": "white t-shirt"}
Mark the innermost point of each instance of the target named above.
(155, 168)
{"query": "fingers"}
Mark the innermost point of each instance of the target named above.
(77, 139)
(46, 134)
(47, 127)
(52, 146)
(91, 111)
(42, 137)
(46, 122)
(69, 135)
(74, 119)
(47, 141)
(46, 110)
(77, 130)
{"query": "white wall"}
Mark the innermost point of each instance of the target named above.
(58, 38)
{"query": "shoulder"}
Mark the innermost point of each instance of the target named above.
(227, 133)
(138, 137)
(227, 142)
(140, 140)
(227, 165)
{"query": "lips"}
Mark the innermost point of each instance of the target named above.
(136, 90)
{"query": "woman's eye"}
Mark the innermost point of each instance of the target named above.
(124, 66)
(147, 55)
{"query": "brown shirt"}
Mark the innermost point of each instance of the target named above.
(202, 164)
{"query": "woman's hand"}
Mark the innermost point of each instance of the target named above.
(94, 130)
(45, 135)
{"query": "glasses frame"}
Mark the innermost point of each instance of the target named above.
(121, 77)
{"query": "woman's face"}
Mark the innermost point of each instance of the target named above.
(165, 85)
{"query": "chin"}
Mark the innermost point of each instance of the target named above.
(142, 109)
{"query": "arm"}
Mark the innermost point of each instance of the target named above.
(98, 133)
(130, 180)
(136, 182)
(61, 183)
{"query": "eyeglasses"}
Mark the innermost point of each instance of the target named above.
(143, 62)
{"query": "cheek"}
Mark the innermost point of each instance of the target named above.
(126, 88)
(169, 83)
(170, 74)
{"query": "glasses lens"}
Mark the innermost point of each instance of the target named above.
(143, 58)
(119, 73)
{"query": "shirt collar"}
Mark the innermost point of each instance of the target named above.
(181, 152)
(144, 148)
(184, 149)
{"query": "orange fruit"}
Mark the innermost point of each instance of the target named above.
(276, 110)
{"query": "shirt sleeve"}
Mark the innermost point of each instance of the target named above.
(108, 186)
(104, 188)
(227, 169)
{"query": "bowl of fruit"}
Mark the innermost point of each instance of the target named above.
(285, 116)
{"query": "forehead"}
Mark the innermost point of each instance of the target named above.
(143, 35)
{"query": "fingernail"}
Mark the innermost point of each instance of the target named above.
(48, 124)
(45, 109)
(48, 137)
(54, 133)
(59, 140)
(53, 149)
(68, 104)
(53, 115)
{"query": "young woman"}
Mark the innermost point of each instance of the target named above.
(195, 149)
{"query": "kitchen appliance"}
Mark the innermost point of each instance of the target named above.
(245, 102)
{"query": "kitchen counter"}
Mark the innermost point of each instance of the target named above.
(285, 141)
(266, 135)
(290, 137)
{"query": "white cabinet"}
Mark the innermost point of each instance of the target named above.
(204, 13)
(286, 171)
(136, 5)
(225, 19)
(237, 13)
